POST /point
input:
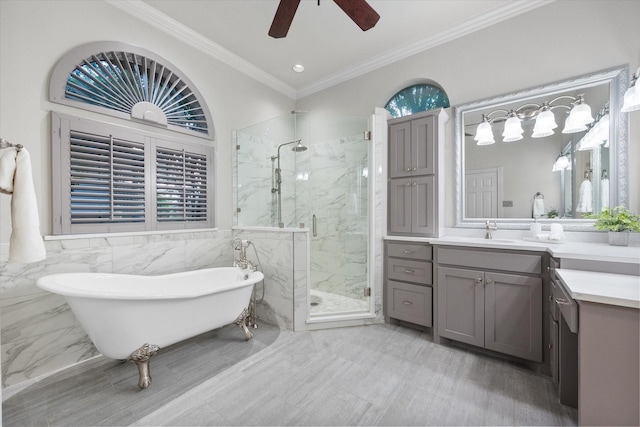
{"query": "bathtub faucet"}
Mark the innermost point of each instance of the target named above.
(242, 261)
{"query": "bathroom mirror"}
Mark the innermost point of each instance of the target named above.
(526, 180)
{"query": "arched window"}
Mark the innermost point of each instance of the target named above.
(111, 178)
(417, 98)
(130, 82)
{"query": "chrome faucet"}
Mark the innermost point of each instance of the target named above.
(489, 228)
(242, 261)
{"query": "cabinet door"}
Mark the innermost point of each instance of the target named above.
(423, 137)
(461, 305)
(400, 205)
(423, 200)
(513, 315)
(553, 349)
(400, 150)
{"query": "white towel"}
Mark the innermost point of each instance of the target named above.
(585, 200)
(538, 207)
(604, 193)
(25, 244)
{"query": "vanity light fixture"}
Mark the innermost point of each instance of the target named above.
(545, 122)
(512, 128)
(484, 133)
(632, 95)
(562, 163)
(597, 133)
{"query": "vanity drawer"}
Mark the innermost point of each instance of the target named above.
(410, 303)
(410, 271)
(519, 263)
(567, 305)
(553, 264)
(409, 250)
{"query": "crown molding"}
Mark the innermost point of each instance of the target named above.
(146, 13)
(157, 19)
(485, 20)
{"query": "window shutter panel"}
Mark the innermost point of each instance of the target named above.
(181, 185)
(107, 179)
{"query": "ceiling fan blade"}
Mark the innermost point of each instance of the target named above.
(360, 12)
(283, 18)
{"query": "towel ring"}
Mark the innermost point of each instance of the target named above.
(6, 144)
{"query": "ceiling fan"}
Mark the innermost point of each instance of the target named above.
(358, 10)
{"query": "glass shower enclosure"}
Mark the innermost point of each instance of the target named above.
(293, 175)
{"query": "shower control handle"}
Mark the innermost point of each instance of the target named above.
(314, 222)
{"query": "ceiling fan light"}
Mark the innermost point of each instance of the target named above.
(545, 124)
(631, 99)
(484, 134)
(512, 129)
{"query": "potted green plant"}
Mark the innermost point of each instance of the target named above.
(619, 222)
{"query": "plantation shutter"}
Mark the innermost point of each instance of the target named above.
(109, 178)
(181, 185)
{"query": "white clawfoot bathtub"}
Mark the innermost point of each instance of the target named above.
(130, 317)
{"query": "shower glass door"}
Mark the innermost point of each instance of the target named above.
(337, 194)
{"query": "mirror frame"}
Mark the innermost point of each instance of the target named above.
(617, 78)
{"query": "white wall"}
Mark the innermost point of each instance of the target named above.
(511, 56)
(34, 35)
(39, 332)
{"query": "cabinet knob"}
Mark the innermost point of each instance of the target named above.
(489, 281)
(407, 302)
(408, 169)
(415, 169)
(548, 269)
(415, 183)
(478, 279)
(407, 184)
(550, 346)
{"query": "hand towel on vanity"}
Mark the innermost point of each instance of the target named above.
(538, 207)
(585, 200)
(604, 193)
(556, 232)
(25, 243)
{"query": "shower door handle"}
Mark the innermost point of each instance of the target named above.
(314, 223)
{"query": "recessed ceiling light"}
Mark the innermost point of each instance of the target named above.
(298, 68)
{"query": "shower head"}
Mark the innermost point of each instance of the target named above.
(299, 147)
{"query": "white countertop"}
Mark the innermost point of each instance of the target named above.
(567, 250)
(604, 288)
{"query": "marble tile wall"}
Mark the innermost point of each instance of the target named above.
(281, 256)
(255, 179)
(40, 334)
(338, 196)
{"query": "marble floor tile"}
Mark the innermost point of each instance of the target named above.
(368, 375)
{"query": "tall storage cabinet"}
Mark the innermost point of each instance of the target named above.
(416, 185)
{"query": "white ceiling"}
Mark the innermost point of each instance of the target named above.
(322, 37)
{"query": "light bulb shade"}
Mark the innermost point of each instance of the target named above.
(545, 124)
(572, 126)
(512, 130)
(582, 114)
(484, 134)
(561, 164)
(631, 99)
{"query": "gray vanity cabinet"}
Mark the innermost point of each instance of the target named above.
(408, 292)
(414, 176)
(411, 205)
(411, 147)
(500, 311)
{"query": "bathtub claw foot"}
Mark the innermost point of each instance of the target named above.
(141, 358)
(241, 321)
